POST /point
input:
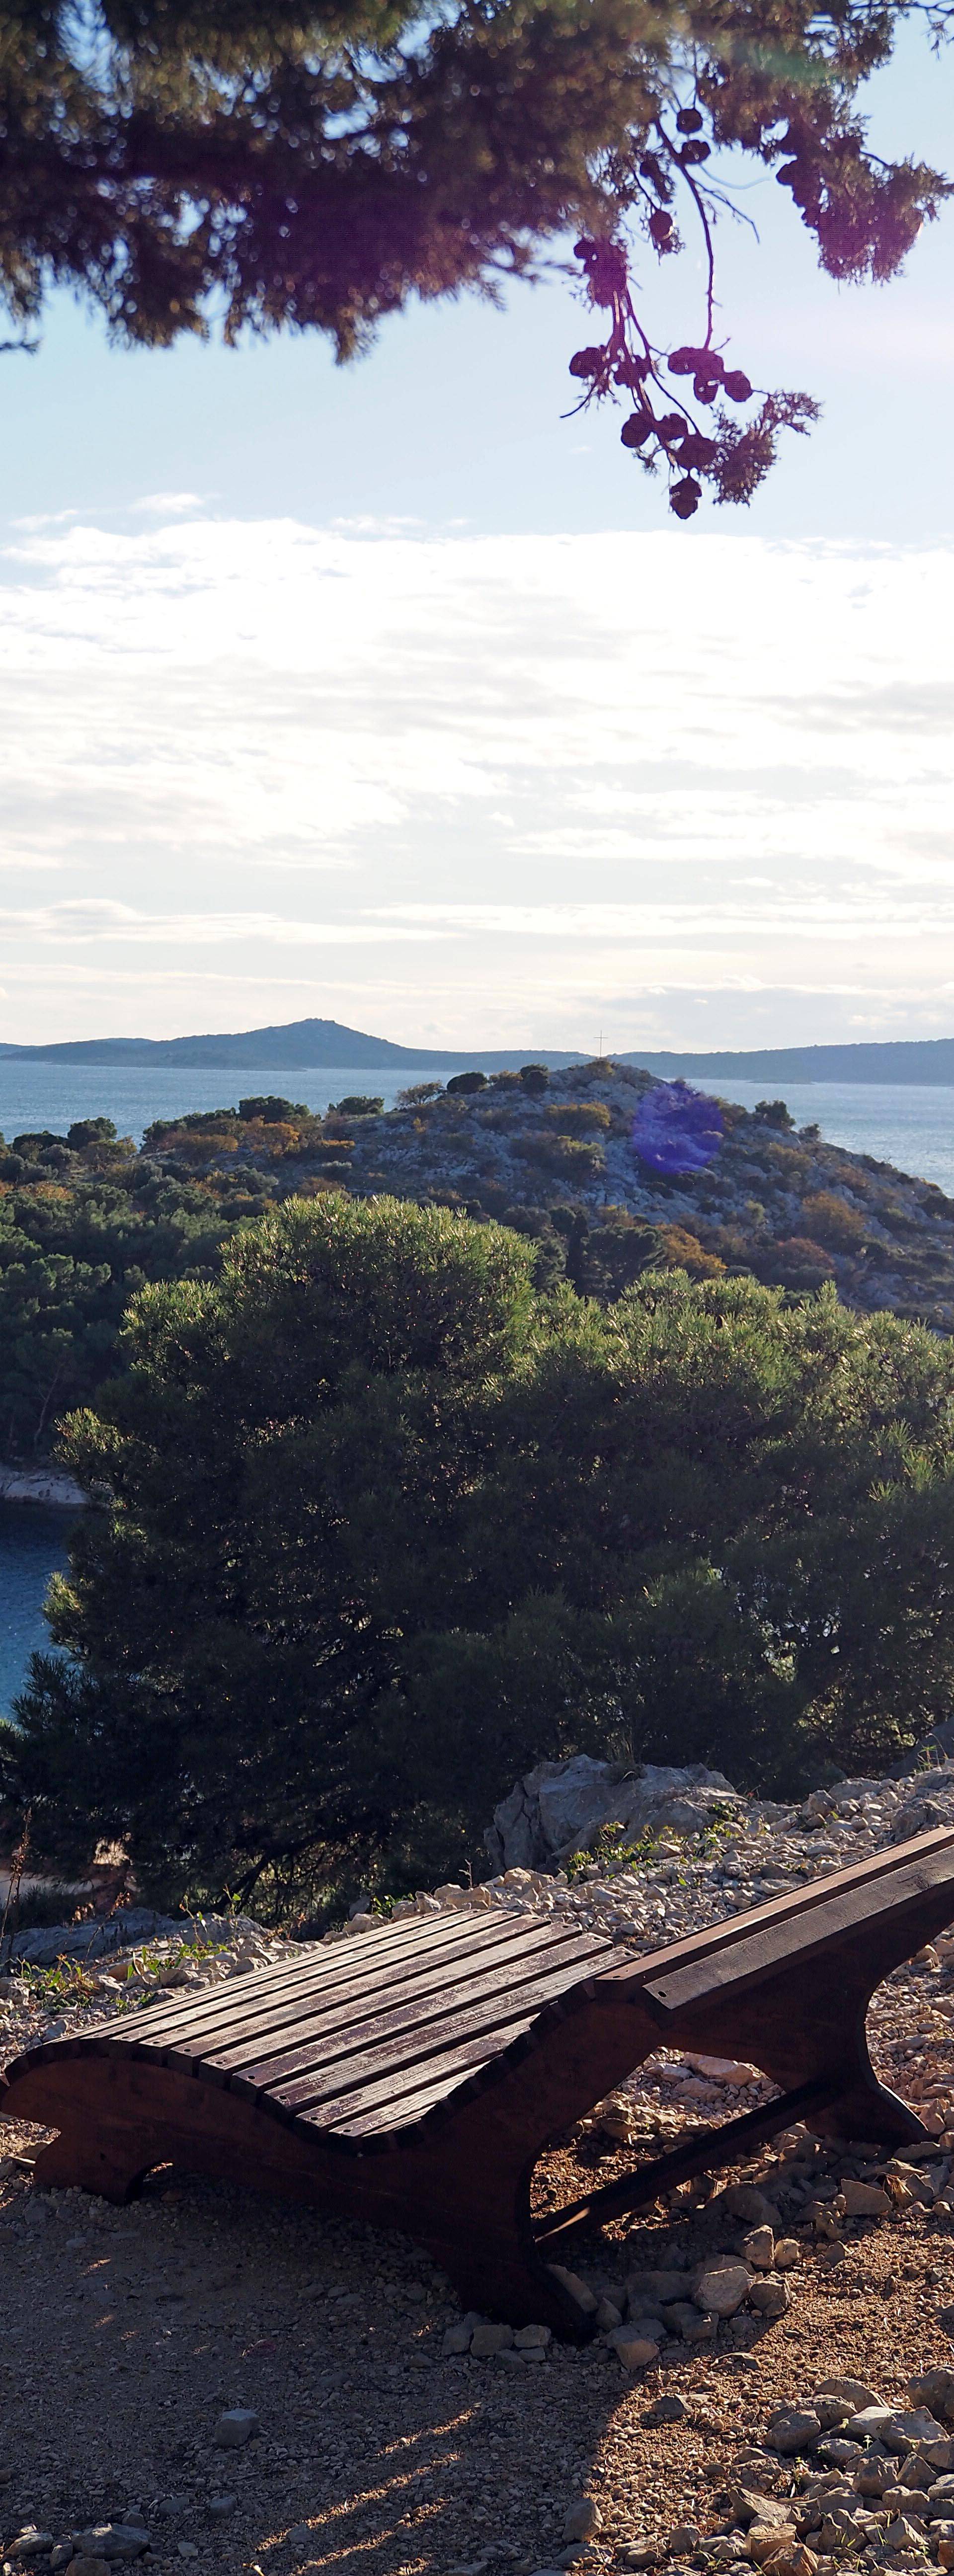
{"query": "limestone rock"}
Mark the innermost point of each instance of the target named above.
(902, 2535)
(935, 2389)
(648, 2290)
(114, 2541)
(788, 2252)
(488, 2338)
(792, 2429)
(579, 2290)
(235, 2427)
(855, 2391)
(766, 2538)
(769, 2298)
(683, 2318)
(636, 2351)
(668, 2409)
(560, 1807)
(582, 2520)
(722, 2286)
(903, 2430)
(742, 2200)
(938, 2456)
(864, 2199)
(751, 2505)
(758, 2249)
(457, 2338)
(792, 2559)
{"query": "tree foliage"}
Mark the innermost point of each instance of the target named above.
(313, 166)
(388, 1525)
(84, 1223)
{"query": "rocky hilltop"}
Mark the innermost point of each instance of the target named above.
(553, 1155)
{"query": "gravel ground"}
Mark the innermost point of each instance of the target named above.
(127, 2333)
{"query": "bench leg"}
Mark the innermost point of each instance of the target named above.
(864, 2108)
(102, 2160)
(797, 2033)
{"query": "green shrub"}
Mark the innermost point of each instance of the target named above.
(580, 1117)
(386, 1527)
(831, 1220)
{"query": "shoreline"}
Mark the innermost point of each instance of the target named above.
(42, 1485)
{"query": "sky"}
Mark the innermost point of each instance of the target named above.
(389, 695)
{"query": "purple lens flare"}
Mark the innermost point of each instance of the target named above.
(676, 1129)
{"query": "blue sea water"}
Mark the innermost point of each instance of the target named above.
(53, 1095)
(908, 1124)
(33, 1543)
(911, 1126)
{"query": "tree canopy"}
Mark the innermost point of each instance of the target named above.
(183, 162)
(388, 1525)
(84, 1221)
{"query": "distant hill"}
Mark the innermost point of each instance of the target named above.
(875, 1060)
(300, 1043)
(280, 1050)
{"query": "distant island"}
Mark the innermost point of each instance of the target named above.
(298, 1044)
(924, 1060)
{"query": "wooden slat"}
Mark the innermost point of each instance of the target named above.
(402, 2050)
(442, 2074)
(402, 2117)
(231, 2003)
(774, 1945)
(285, 2018)
(323, 2038)
(778, 1909)
(317, 1964)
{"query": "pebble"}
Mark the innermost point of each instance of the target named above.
(758, 2249)
(864, 2199)
(235, 2427)
(113, 2540)
(792, 2429)
(668, 2409)
(636, 2352)
(488, 2338)
(582, 2520)
(722, 2286)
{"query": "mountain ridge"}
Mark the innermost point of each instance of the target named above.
(297, 1044)
(279, 1050)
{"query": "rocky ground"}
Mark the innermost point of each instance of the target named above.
(207, 2377)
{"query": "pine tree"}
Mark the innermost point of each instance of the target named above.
(314, 167)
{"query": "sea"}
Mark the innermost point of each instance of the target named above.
(33, 1545)
(907, 1124)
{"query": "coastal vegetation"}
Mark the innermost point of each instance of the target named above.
(86, 1220)
(384, 1520)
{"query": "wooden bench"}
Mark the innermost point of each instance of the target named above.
(412, 2077)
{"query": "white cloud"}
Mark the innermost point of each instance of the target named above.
(709, 766)
(167, 505)
(100, 920)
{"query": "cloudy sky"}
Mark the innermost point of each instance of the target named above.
(391, 696)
